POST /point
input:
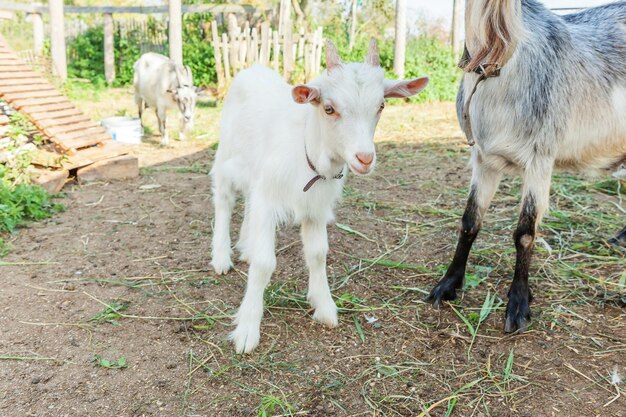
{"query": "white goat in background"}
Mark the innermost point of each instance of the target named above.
(271, 146)
(161, 84)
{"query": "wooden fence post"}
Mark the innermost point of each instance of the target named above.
(109, 49)
(265, 43)
(176, 31)
(57, 39)
(276, 51)
(287, 53)
(38, 33)
(217, 54)
(226, 56)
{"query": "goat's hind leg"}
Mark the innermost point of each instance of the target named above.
(315, 244)
(224, 195)
(535, 201)
(483, 187)
(620, 239)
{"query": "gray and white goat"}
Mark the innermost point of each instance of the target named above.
(559, 102)
(161, 84)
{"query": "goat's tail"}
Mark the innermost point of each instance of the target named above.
(492, 30)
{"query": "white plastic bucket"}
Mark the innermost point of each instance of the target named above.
(124, 129)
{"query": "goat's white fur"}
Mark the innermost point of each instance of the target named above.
(261, 153)
(163, 85)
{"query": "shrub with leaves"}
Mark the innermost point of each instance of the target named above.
(19, 200)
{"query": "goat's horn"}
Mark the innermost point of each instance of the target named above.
(332, 57)
(372, 54)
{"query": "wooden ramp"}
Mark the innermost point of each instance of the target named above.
(79, 140)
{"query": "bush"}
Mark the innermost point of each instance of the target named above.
(86, 51)
(19, 200)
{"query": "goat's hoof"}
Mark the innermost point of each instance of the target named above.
(517, 313)
(619, 241)
(221, 264)
(327, 316)
(443, 291)
(245, 338)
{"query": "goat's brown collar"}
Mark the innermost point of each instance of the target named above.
(484, 71)
(318, 176)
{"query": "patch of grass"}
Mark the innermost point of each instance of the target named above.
(272, 406)
(120, 363)
(111, 313)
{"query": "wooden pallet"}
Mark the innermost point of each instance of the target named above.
(47, 108)
(82, 147)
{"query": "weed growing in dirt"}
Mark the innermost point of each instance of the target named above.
(111, 313)
(109, 364)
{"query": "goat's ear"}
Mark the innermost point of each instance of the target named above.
(305, 94)
(372, 54)
(332, 57)
(404, 88)
(188, 71)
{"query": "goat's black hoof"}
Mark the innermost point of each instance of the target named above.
(445, 290)
(517, 313)
(620, 239)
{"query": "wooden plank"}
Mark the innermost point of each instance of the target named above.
(65, 105)
(87, 140)
(56, 130)
(11, 62)
(34, 94)
(23, 81)
(121, 167)
(19, 87)
(7, 56)
(45, 115)
(80, 139)
(52, 181)
(43, 124)
(13, 68)
(47, 159)
(105, 150)
(19, 75)
(18, 104)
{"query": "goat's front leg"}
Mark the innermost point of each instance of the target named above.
(483, 187)
(185, 128)
(247, 334)
(162, 118)
(535, 201)
(224, 196)
(315, 243)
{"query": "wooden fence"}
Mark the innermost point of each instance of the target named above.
(288, 53)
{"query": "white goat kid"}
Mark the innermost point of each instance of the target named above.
(270, 147)
(161, 84)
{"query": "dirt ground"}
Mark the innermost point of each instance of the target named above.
(123, 275)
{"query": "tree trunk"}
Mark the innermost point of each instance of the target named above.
(352, 24)
(400, 41)
(455, 38)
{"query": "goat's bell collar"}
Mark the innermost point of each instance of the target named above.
(318, 176)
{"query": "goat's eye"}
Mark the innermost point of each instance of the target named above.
(329, 109)
(382, 106)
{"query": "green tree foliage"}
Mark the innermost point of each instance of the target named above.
(424, 56)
